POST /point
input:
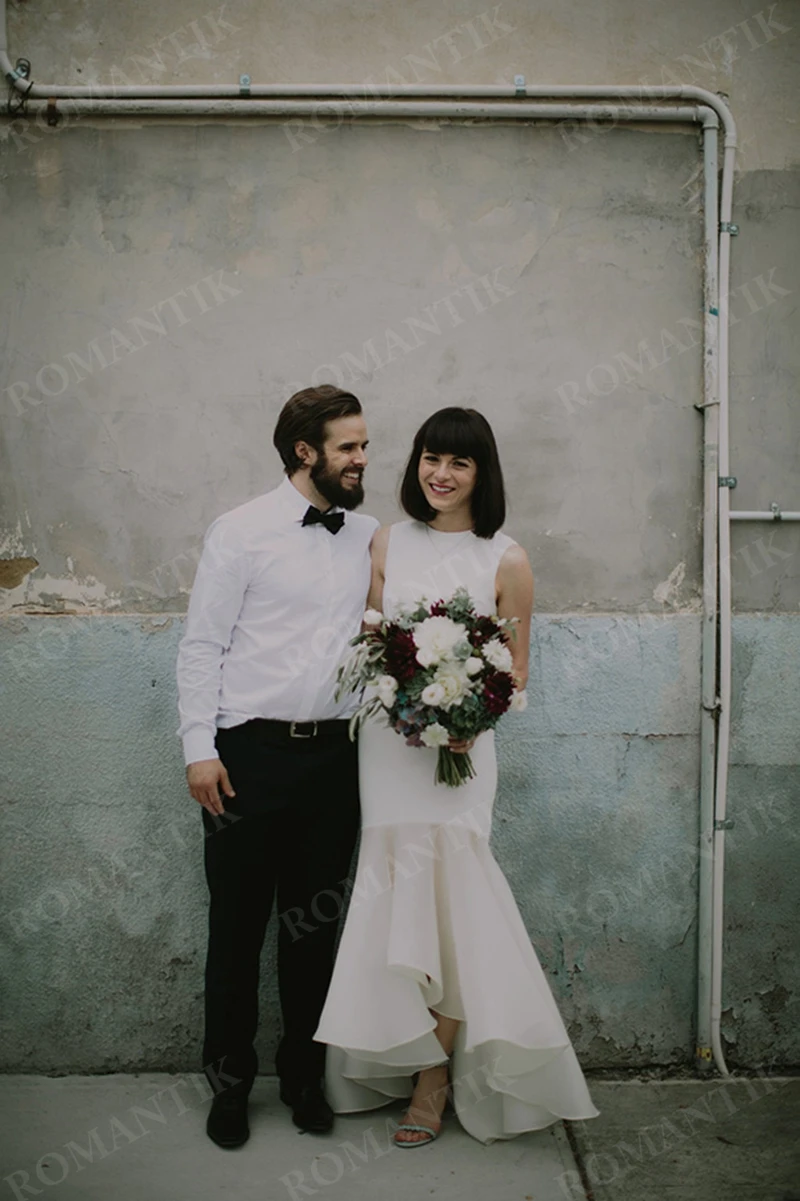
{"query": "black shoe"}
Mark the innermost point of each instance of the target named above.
(227, 1122)
(310, 1111)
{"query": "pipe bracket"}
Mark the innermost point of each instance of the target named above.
(53, 115)
(519, 85)
(724, 823)
(775, 511)
(16, 98)
(244, 85)
(727, 481)
(728, 227)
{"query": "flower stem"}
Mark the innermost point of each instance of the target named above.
(453, 769)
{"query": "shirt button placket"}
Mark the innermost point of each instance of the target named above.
(319, 635)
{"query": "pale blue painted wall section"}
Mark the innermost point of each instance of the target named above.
(103, 933)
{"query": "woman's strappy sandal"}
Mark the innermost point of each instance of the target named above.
(415, 1142)
(420, 1129)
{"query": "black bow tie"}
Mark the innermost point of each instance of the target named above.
(331, 521)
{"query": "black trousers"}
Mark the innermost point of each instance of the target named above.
(288, 834)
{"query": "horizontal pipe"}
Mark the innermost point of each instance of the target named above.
(753, 515)
(453, 110)
(635, 92)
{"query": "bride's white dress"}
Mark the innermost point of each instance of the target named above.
(432, 923)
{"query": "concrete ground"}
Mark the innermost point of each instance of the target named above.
(120, 1138)
(690, 1140)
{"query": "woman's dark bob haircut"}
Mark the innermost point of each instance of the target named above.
(467, 434)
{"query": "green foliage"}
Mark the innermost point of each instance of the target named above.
(460, 607)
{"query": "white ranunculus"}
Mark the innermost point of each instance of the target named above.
(519, 700)
(498, 654)
(473, 665)
(387, 690)
(435, 735)
(372, 617)
(455, 684)
(434, 694)
(435, 638)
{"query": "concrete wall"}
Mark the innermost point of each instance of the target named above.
(169, 284)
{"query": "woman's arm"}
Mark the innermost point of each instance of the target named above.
(380, 541)
(515, 599)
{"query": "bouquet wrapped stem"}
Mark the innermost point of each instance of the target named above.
(453, 768)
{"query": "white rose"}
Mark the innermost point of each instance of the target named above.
(519, 700)
(434, 694)
(387, 690)
(372, 617)
(454, 683)
(435, 637)
(435, 735)
(473, 665)
(498, 654)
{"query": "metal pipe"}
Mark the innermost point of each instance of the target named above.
(355, 92)
(637, 92)
(438, 110)
(725, 648)
(708, 653)
(775, 514)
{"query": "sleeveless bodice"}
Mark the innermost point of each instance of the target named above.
(427, 564)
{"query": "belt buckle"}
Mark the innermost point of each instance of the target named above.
(293, 733)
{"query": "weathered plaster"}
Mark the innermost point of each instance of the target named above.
(103, 925)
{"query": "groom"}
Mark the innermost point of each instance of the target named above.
(280, 589)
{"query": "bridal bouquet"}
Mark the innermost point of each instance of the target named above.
(439, 671)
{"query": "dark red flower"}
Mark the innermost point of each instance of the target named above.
(497, 689)
(401, 654)
(439, 609)
(483, 629)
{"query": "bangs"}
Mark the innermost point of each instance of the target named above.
(462, 433)
(452, 432)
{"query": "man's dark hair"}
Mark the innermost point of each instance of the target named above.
(463, 433)
(303, 419)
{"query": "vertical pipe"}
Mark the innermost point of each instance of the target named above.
(709, 628)
(723, 733)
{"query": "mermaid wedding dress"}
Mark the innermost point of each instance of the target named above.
(432, 923)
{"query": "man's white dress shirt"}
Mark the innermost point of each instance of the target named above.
(273, 607)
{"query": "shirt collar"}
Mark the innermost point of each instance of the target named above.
(295, 502)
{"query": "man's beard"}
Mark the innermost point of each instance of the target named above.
(328, 484)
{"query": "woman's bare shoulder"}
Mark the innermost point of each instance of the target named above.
(380, 538)
(514, 559)
(378, 546)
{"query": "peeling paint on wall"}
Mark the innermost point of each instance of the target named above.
(13, 571)
(666, 593)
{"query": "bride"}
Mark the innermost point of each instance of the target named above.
(437, 991)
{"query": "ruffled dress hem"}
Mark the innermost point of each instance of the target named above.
(432, 924)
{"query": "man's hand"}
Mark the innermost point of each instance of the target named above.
(206, 778)
(461, 746)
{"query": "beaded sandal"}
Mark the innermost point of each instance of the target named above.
(413, 1126)
(416, 1142)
